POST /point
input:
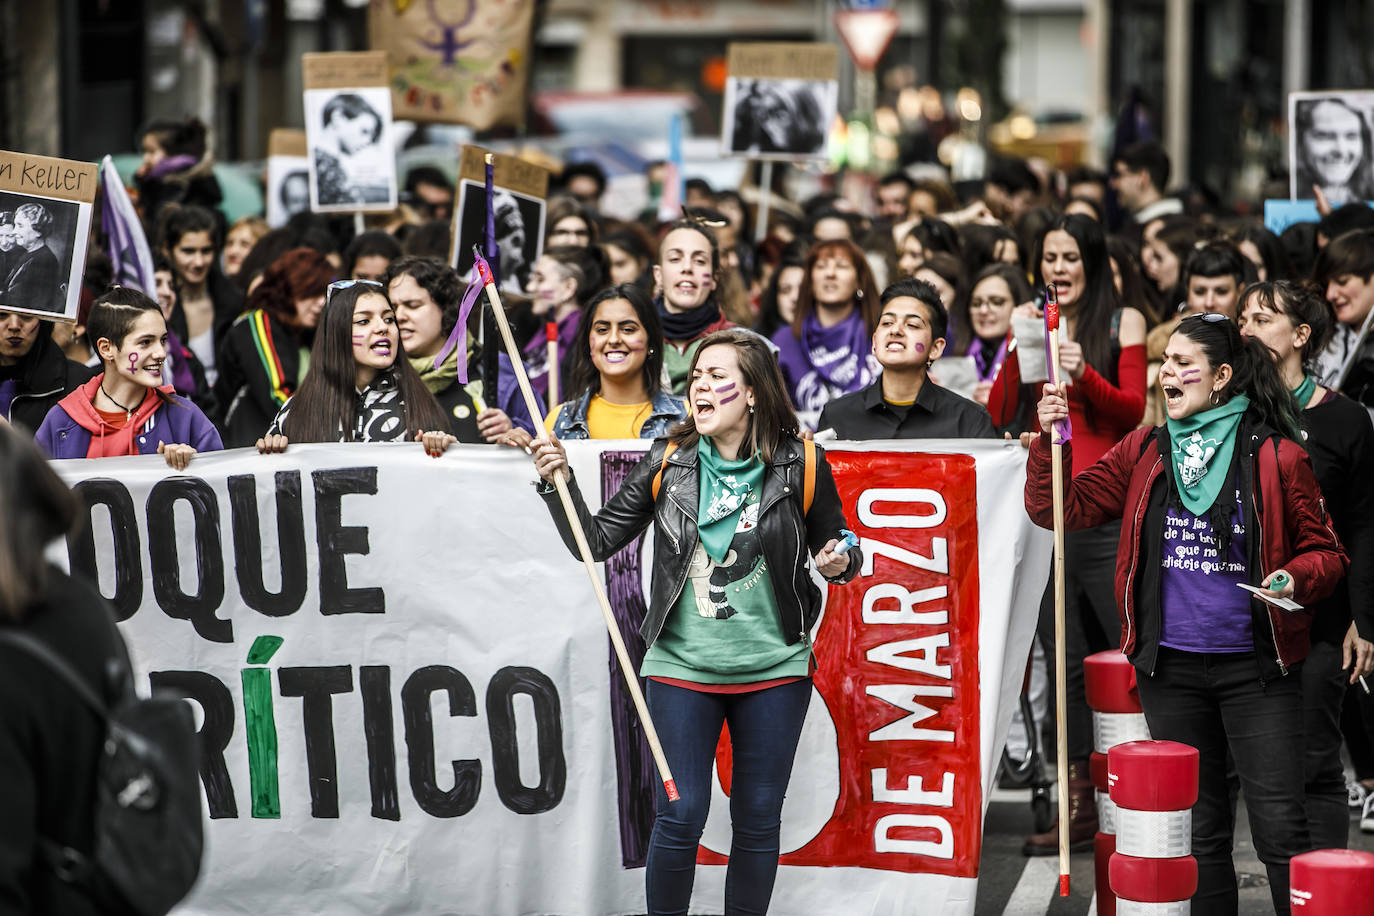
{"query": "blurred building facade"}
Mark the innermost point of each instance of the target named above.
(79, 76)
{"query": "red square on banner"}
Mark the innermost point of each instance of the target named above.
(898, 652)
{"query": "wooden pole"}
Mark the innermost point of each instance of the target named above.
(765, 201)
(560, 482)
(1061, 665)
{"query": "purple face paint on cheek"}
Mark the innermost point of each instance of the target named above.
(133, 363)
(1190, 376)
(918, 347)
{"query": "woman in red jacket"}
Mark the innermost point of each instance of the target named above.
(1103, 358)
(1219, 498)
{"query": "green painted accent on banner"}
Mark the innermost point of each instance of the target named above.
(261, 726)
(264, 647)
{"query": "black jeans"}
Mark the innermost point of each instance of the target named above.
(765, 726)
(1091, 619)
(1216, 703)
(1323, 691)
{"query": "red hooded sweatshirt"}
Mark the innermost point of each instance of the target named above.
(108, 441)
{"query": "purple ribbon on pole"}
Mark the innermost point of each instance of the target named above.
(475, 287)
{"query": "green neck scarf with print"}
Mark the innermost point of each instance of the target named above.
(726, 488)
(1199, 443)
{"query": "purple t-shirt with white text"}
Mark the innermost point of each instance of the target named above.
(1202, 609)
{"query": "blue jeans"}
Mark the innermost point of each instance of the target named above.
(765, 726)
(1216, 702)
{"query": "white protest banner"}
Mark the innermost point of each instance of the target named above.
(407, 700)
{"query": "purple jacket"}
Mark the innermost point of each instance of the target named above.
(182, 423)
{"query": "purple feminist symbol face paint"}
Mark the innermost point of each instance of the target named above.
(724, 388)
(1190, 376)
(133, 363)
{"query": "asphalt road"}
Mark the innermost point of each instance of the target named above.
(1012, 885)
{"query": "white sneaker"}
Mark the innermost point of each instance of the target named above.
(1356, 793)
(1367, 815)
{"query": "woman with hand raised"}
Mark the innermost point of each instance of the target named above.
(731, 603)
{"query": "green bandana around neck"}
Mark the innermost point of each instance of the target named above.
(726, 488)
(1303, 393)
(1199, 443)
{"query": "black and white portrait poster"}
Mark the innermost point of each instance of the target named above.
(348, 132)
(518, 190)
(780, 99)
(288, 176)
(1329, 145)
(45, 217)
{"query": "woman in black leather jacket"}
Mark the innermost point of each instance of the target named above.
(731, 604)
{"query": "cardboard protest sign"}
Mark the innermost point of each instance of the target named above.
(45, 216)
(348, 132)
(1330, 145)
(288, 175)
(456, 61)
(780, 99)
(407, 707)
(519, 191)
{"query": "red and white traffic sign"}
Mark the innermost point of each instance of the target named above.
(866, 33)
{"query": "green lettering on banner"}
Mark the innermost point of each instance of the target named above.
(261, 727)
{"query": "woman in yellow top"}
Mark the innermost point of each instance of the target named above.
(615, 374)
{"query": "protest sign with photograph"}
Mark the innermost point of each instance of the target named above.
(456, 63)
(1329, 145)
(519, 189)
(780, 99)
(288, 176)
(348, 132)
(45, 216)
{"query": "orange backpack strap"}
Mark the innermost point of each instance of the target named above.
(808, 475)
(658, 478)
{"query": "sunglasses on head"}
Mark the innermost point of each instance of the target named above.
(1210, 317)
(345, 284)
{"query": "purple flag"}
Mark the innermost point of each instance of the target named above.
(128, 246)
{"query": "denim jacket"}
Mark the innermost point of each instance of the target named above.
(666, 409)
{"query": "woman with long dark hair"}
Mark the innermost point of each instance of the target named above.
(778, 301)
(734, 542)
(360, 387)
(1103, 354)
(1294, 321)
(827, 350)
(615, 388)
(189, 237)
(1219, 499)
(265, 349)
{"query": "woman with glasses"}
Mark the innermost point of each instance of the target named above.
(360, 387)
(985, 322)
(1221, 515)
(266, 349)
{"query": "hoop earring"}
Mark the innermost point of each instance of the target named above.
(859, 293)
(1215, 397)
